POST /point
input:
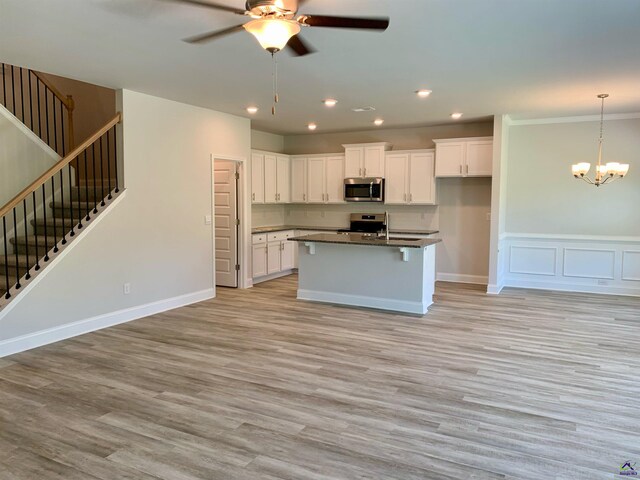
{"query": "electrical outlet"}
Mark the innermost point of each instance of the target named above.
(126, 288)
(207, 219)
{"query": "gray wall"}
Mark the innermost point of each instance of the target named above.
(267, 141)
(542, 195)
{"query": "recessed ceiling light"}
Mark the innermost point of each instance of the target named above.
(423, 93)
(456, 115)
(363, 109)
(330, 102)
(312, 126)
(252, 110)
(378, 121)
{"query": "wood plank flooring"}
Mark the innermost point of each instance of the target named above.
(257, 385)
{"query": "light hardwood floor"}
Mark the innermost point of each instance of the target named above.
(256, 385)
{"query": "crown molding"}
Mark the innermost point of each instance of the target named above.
(582, 118)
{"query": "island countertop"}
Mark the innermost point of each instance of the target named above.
(282, 228)
(358, 239)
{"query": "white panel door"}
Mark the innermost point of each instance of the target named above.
(335, 180)
(396, 172)
(479, 159)
(259, 260)
(298, 180)
(353, 162)
(257, 178)
(287, 255)
(270, 179)
(273, 257)
(315, 179)
(450, 159)
(226, 228)
(373, 162)
(422, 184)
(284, 180)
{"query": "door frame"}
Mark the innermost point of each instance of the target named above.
(244, 214)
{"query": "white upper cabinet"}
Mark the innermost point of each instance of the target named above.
(365, 160)
(257, 178)
(334, 179)
(409, 178)
(270, 179)
(283, 179)
(316, 179)
(298, 180)
(464, 157)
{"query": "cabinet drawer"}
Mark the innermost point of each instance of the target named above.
(259, 238)
(279, 236)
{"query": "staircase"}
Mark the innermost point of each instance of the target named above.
(43, 219)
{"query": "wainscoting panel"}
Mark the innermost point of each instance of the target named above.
(532, 260)
(574, 263)
(589, 263)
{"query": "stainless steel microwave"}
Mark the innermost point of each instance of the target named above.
(364, 189)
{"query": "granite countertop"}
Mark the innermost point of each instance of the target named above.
(358, 239)
(281, 228)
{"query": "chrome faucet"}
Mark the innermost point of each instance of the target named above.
(386, 225)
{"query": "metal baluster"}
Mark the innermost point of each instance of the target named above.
(6, 257)
(35, 223)
(101, 176)
(55, 122)
(22, 95)
(44, 213)
(93, 161)
(86, 185)
(109, 165)
(64, 228)
(72, 233)
(4, 85)
(15, 248)
(30, 100)
(13, 93)
(46, 112)
(26, 235)
(115, 153)
(39, 112)
(64, 150)
(53, 217)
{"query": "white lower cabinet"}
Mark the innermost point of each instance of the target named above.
(273, 253)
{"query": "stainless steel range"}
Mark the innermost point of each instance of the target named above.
(366, 223)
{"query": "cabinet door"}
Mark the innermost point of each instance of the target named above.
(270, 179)
(298, 180)
(257, 178)
(396, 170)
(287, 261)
(450, 159)
(273, 257)
(284, 180)
(479, 159)
(421, 180)
(373, 162)
(335, 180)
(259, 260)
(353, 162)
(315, 180)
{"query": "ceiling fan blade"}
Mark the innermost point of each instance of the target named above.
(217, 6)
(299, 47)
(344, 22)
(205, 37)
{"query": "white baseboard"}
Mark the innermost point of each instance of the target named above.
(574, 287)
(419, 308)
(462, 278)
(273, 276)
(493, 289)
(51, 335)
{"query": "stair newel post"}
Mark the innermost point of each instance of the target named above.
(13, 93)
(35, 227)
(63, 227)
(44, 214)
(15, 248)
(55, 123)
(6, 257)
(109, 164)
(102, 195)
(72, 232)
(62, 137)
(53, 216)
(70, 107)
(93, 161)
(4, 84)
(86, 185)
(26, 236)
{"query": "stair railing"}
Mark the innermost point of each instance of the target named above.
(37, 103)
(95, 164)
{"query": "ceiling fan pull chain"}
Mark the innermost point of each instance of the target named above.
(274, 77)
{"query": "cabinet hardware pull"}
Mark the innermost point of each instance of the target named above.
(460, 169)
(365, 171)
(405, 197)
(360, 171)
(411, 197)
(467, 169)
(253, 197)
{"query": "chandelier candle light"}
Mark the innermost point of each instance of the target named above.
(604, 173)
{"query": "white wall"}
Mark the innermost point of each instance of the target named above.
(560, 232)
(155, 238)
(269, 142)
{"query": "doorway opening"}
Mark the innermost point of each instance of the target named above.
(227, 222)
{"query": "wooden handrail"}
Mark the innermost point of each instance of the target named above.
(63, 98)
(59, 166)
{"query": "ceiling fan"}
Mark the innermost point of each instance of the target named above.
(276, 25)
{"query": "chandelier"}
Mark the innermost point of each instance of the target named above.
(604, 173)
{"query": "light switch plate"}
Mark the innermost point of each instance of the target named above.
(207, 219)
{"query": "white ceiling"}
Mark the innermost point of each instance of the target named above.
(529, 58)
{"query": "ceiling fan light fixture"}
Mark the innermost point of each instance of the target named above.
(273, 34)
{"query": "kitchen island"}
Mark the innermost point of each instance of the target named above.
(397, 274)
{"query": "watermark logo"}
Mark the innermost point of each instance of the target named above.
(628, 469)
